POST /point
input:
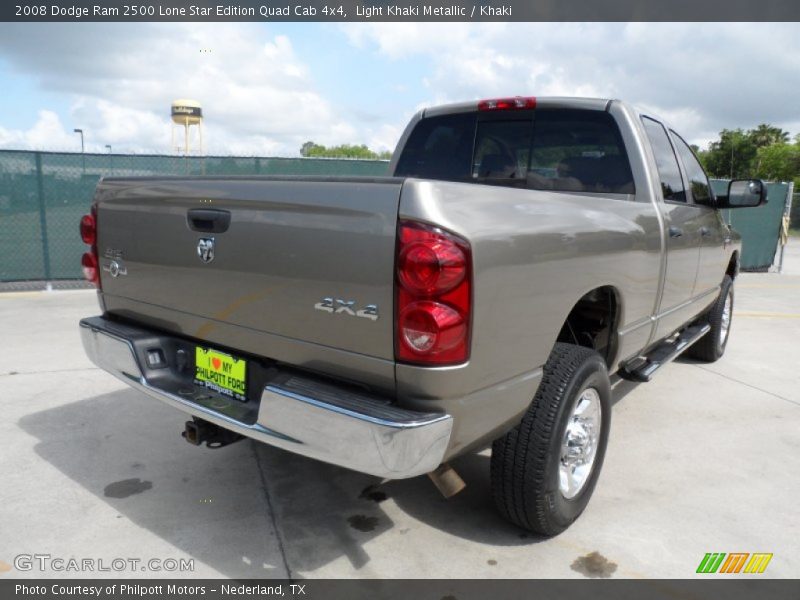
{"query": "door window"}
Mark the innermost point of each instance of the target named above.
(668, 170)
(698, 180)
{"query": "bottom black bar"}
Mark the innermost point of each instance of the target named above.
(734, 588)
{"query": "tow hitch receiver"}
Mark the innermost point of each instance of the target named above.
(198, 431)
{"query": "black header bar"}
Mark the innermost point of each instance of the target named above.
(400, 10)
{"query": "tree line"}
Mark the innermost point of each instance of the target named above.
(765, 152)
(314, 150)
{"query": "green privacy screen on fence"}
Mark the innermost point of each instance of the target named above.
(760, 227)
(44, 194)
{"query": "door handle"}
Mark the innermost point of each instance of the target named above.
(208, 220)
(705, 231)
(675, 232)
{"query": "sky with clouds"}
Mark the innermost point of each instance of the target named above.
(267, 88)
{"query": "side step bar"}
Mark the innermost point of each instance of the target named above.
(642, 368)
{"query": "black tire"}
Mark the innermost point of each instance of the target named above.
(711, 346)
(525, 462)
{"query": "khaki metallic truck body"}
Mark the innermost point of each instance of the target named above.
(326, 383)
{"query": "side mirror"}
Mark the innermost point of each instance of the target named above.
(744, 193)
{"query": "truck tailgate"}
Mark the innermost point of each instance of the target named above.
(291, 244)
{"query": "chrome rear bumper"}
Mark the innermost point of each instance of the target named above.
(296, 412)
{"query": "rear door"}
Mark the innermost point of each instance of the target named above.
(713, 231)
(682, 224)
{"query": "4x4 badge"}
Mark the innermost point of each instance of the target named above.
(337, 306)
(205, 249)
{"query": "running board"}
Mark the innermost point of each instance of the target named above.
(642, 368)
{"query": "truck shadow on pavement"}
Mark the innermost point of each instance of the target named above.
(416, 505)
(127, 450)
(325, 511)
(221, 507)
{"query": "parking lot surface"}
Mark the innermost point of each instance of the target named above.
(705, 458)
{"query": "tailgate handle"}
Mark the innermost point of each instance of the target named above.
(208, 220)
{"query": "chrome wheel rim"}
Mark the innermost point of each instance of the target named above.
(725, 322)
(579, 446)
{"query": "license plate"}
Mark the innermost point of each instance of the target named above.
(221, 372)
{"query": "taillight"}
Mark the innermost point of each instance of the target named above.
(515, 103)
(433, 296)
(88, 230)
(431, 267)
(90, 271)
(89, 261)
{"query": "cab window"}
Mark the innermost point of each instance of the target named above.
(568, 150)
(667, 163)
(578, 150)
(698, 180)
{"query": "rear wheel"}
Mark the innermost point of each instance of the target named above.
(712, 345)
(545, 469)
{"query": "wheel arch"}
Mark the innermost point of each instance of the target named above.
(732, 270)
(593, 322)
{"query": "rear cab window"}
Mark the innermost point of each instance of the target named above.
(439, 148)
(568, 150)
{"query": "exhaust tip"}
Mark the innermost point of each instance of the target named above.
(447, 480)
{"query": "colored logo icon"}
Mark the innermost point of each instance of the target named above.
(735, 562)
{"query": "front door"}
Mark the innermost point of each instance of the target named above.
(713, 230)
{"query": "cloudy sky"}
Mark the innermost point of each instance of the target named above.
(267, 88)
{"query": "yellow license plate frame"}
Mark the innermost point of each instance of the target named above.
(221, 372)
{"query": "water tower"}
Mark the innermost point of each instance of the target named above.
(186, 113)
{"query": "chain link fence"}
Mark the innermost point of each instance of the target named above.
(44, 194)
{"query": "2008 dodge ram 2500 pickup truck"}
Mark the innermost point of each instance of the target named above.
(522, 251)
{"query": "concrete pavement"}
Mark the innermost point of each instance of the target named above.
(706, 458)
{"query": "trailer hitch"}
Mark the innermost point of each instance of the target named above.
(198, 431)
